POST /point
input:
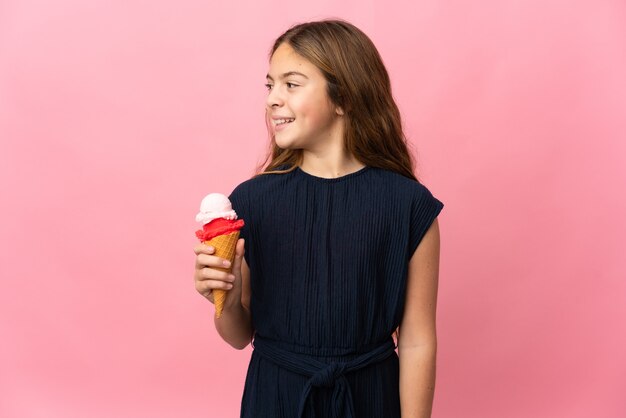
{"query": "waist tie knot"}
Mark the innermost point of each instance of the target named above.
(322, 374)
(327, 376)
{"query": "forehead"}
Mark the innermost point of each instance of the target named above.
(286, 60)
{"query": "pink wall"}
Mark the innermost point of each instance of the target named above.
(122, 115)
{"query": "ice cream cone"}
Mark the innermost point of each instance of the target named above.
(220, 229)
(225, 246)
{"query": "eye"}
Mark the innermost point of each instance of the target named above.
(268, 86)
(290, 85)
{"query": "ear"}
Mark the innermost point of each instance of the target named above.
(339, 110)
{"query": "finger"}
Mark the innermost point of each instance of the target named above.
(203, 260)
(203, 249)
(207, 293)
(210, 297)
(207, 286)
(217, 275)
(239, 251)
(241, 247)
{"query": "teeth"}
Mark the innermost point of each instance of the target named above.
(281, 121)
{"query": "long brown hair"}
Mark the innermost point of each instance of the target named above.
(358, 82)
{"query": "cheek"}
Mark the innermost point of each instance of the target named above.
(314, 113)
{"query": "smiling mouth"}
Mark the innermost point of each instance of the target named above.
(278, 122)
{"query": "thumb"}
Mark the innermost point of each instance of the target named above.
(239, 251)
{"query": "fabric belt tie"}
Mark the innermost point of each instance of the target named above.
(322, 374)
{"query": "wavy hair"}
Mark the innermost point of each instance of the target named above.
(358, 82)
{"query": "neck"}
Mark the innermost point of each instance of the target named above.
(329, 164)
(329, 158)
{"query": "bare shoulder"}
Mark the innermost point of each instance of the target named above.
(427, 252)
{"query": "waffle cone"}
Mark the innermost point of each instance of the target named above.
(225, 246)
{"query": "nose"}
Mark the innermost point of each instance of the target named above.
(274, 98)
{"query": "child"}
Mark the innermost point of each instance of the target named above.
(340, 246)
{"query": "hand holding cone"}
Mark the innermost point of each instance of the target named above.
(225, 246)
(221, 231)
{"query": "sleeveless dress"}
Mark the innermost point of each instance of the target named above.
(328, 263)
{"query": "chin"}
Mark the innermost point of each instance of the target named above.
(284, 144)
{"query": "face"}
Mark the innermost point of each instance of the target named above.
(300, 112)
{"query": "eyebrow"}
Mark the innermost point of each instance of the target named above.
(287, 74)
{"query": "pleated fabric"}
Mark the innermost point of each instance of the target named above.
(328, 265)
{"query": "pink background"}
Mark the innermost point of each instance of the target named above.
(116, 118)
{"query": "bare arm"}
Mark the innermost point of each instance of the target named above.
(417, 340)
(235, 324)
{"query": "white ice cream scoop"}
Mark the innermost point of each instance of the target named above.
(213, 206)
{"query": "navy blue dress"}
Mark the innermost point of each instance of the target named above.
(328, 265)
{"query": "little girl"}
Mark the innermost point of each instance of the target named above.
(340, 248)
